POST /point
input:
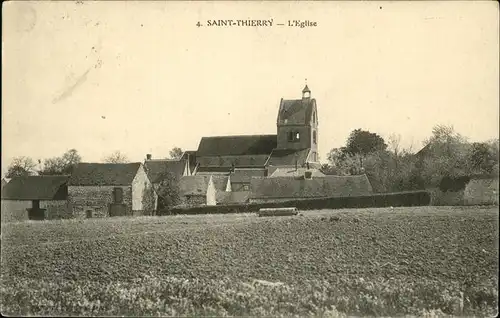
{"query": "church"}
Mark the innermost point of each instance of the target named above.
(221, 170)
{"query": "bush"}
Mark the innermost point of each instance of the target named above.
(410, 198)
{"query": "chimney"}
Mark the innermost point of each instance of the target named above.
(148, 156)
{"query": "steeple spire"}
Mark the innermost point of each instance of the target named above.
(306, 92)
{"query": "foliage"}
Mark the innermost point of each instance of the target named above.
(148, 199)
(176, 153)
(362, 142)
(447, 155)
(21, 167)
(168, 191)
(61, 165)
(116, 157)
(410, 261)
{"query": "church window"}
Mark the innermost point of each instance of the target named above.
(297, 136)
(314, 117)
(290, 136)
(314, 137)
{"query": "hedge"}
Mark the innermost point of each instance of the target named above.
(410, 198)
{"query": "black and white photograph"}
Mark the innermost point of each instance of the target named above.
(250, 159)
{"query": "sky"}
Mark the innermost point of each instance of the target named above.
(141, 77)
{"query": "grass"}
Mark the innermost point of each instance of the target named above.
(402, 261)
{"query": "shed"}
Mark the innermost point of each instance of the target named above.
(35, 198)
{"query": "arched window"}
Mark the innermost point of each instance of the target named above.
(314, 117)
(314, 136)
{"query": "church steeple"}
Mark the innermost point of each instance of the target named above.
(306, 92)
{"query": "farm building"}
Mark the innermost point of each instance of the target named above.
(209, 190)
(110, 189)
(35, 198)
(307, 187)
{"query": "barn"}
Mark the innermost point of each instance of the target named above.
(110, 189)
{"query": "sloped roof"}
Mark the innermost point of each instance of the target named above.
(328, 186)
(213, 169)
(245, 175)
(36, 188)
(296, 111)
(157, 168)
(198, 184)
(87, 174)
(287, 157)
(291, 172)
(237, 161)
(236, 145)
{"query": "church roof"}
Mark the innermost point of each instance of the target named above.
(293, 188)
(306, 89)
(236, 145)
(296, 111)
(286, 157)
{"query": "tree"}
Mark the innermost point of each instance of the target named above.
(61, 165)
(21, 167)
(116, 157)
(168, 191)
(483, 156)
(176, 153)
(447, 156)
(361, 142)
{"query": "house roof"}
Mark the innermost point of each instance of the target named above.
(114, 174)
(293, 188)
(157, 168)
(198, 184)
(287, 157)
(296, 111)
(236, 145)
(291, 172)
(245, 175)
(36, 188)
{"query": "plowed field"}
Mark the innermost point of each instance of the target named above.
(363, 262)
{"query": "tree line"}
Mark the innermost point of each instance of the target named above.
(64, 164)
(391, 167)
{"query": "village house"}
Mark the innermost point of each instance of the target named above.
(110, 189)
(35, 198)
